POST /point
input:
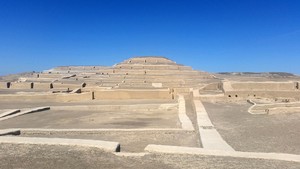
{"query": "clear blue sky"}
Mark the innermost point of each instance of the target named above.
(209, 35)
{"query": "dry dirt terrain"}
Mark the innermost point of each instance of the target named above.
(264, 133)
(46, 157)
(149, 112)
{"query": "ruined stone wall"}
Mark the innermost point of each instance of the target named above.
(262, 94)
(213, 86)
(50, 75)
(44, 86)
(60, 97)
(132, 94)
(151, 67)
(21, 85)
(66, 86)
(39, 85)
(3, 85)
(263, 86)
(149, 60)
(182, 90)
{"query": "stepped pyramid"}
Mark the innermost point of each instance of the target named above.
(136, 72)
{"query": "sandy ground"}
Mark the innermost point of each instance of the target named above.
(132, 141)
(261, 133)
(95, 119)
(46, 157)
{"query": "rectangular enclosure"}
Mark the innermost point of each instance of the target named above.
(99, 116)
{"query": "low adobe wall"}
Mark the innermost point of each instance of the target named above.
(97, 95)
(154, 72)
(153, 60)
(275, 105)
(24, 85)
(50, 75)
(263, 86)
(274, 108)
(183, 91)
(244, 95)
(261, 89)
(21, 85)
(110, 108)
(263, 94)
(66, 86)
(57, 97)
(45, 86)
(213, 86)
(41, 80)
(132, 94)
(3, 85)
(38, 85)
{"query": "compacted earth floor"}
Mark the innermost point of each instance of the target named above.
(131, 141)
(258, 133)
(70, 119)
(85, 119)
(67, 157)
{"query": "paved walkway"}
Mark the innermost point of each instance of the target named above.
(210, 137)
